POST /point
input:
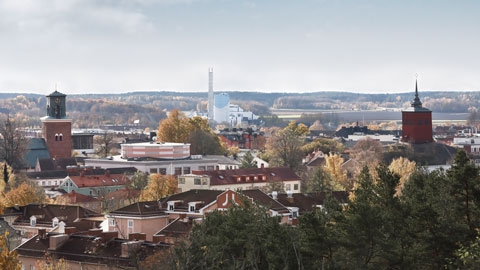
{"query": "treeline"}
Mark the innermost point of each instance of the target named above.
(429, 222)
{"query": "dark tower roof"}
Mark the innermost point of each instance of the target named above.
(416, 104)
(56, 94)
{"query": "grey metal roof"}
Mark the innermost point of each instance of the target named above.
(37, 149)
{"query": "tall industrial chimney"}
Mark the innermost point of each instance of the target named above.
(210, 94)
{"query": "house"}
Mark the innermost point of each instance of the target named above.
(50, 164)
(74, 198)
(92, 249)
(314, 160)
(94, 185)
(154, 218)
(251, 178)
(300, 203)
(29, 218)
(242, 138)
(225, 162)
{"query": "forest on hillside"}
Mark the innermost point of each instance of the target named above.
(93, 110)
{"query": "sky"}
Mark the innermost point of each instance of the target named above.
(113, 46)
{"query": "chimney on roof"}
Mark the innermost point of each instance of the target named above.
(137, 236)
(42, 233)
(289, 194)
(107, 236)
(159, 238)
(262, 165)
(129, 248)
(274, 195)
(95, 232)
(70, 230)
(55, 241)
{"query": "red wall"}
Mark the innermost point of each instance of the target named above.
(58, 149)
(414, 132)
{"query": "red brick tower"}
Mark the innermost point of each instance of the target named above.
(57, 127)
(417, 122)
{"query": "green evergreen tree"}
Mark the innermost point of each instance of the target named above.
(248, 161)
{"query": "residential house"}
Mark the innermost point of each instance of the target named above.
(92, 249)
(154, 218)
(94, 185)
(29, 218)
(251, 178)
(120, 198)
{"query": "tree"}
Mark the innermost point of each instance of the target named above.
(243, 237)
(367, 152)
(322, 181)
(175, 128)
(323, 144)
(7, 177)
(139, 181)
(13, 144)
(104, 142)
(205, 143)
(404, 168)
(285, 146)
(333, 166)
(158, 187)
(50, 263)
(24, 194)
(248, 161)
(8, 259)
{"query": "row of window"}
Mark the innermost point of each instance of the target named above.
(419, 122)
(180, 170)
(288, 186)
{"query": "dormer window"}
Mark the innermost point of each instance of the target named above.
(171, 206)
(33, 221)
(55, 222)
(191, 207)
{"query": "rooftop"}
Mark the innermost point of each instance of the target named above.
(228, 177)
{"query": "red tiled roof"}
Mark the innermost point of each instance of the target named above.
(74, 197)
(227, 177)
(99, 180)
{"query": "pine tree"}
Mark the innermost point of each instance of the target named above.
(248, 161)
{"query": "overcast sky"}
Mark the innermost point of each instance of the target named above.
(111, 46)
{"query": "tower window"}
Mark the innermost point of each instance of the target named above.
(60, 137)
(419, 122)
(411, 122)
(426, 122)
(56, 137)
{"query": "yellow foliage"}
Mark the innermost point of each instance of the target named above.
(297, 130)
(333, 166)
(49, 263)
(158, 187)
(23, 195)
(8, 259)
(404, 168)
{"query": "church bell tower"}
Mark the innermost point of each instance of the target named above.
(57, 127)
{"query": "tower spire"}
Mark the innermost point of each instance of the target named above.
(416, 101)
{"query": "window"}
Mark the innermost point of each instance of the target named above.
(210, 168)
(294, 214)
(181, 180)
(186, 170)
(171, 206)
(427, 122)
(33, 221)
(287, 187)
(191, 207)
(43, 183)
(204, 181)
(163, 171)
(405, 122)
(60, 137)
(153, 170)
(295, 187)
(420, 122)
(196, 181)
(201, 168)
(178, 170)
(49, 182)
(130, 224)
(56, 137)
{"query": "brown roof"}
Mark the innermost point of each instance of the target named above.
(84, 248)
(228, 177)
(46, 212)
(307, 201)
(178, 227)
(74, 197)
(262, 198)
(143, 209)
(76, 172)
(99, 180)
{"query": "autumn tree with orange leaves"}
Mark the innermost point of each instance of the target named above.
(158, 187)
